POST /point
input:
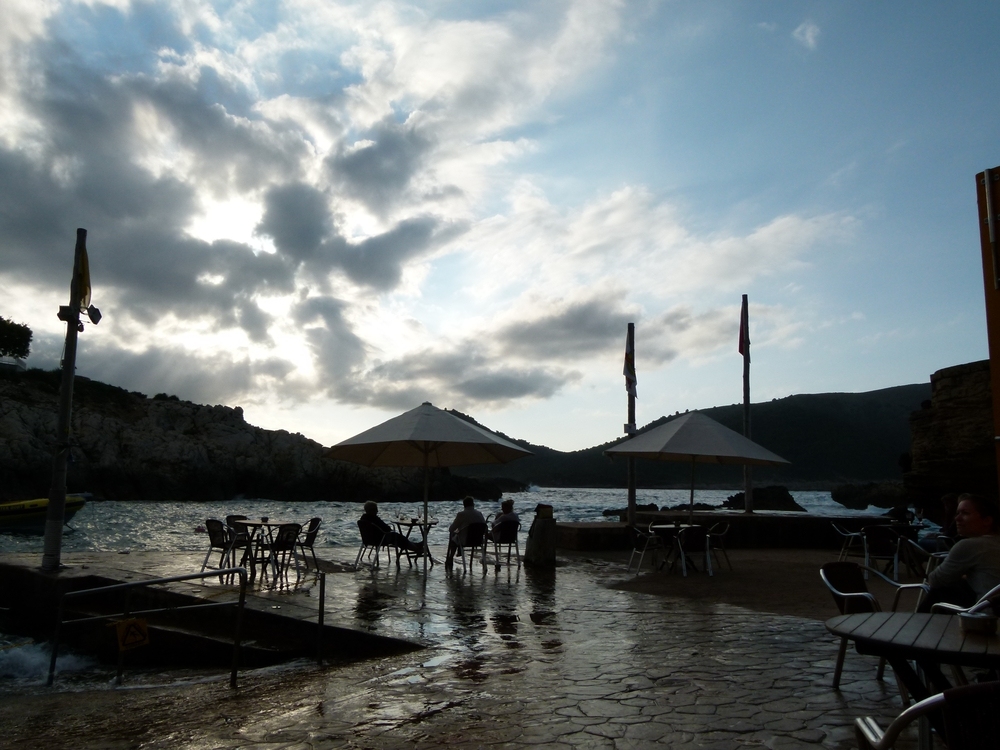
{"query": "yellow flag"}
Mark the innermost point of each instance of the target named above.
(84, 280)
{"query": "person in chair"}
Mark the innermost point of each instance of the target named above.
(506, 514)
(456, 532)
(392, 538)
(972, 567)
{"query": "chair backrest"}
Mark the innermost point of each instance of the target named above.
(882, 540)
(287, 536)
(475, 535)
(311, 530)
(719, 529)
(231, 520)
(972, 716)
(371, 535)
(847, 578)
(506, 532)
(840, 530)
(217, 536)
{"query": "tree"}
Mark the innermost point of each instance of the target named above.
(15, 339)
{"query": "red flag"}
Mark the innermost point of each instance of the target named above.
(745, 330)
(629, 371)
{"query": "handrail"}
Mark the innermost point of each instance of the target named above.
(241, 572)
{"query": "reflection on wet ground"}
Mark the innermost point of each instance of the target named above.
(513, 658)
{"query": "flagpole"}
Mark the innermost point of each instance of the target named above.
(55, 514)
(745, 350)
(630, 382)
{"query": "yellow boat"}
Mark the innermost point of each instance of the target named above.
(29, 515)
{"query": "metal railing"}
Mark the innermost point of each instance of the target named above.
(241, 572)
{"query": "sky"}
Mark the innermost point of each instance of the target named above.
(329, 212)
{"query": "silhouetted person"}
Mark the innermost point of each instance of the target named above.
(392, 537)
(456, 532)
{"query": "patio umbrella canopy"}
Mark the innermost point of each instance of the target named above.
(428, 437)
(697, 439)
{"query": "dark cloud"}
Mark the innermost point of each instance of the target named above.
(578, 329)
(379, 174)
(339, 352)
(378, 261)
(297, 217)
(204, 379)
(509, 384)
(462, 375)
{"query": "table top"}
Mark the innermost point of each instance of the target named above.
(916, 635)
(669, 526)
(416, 522)
(270, 522)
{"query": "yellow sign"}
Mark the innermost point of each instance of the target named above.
(132, 633)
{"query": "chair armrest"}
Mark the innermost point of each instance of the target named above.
(945, 608)
(901, 587)
(870, 735)
(876, 607)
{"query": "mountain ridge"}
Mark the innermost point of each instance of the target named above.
(130, 446)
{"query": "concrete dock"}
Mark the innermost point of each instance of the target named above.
(572, 657)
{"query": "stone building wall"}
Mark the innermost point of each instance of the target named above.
(952, 437)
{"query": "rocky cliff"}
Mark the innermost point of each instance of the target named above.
(130, 447)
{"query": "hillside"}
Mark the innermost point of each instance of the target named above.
(829, 438)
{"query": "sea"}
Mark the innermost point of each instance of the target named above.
(115, 526)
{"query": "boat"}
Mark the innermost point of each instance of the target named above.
(28, 516)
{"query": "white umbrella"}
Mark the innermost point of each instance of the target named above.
(427, 437)
(698, 439)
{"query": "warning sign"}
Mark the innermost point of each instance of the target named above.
(132, 633)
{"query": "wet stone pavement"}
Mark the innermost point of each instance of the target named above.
(514, 658)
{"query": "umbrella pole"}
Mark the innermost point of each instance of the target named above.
(426, 529)
(691, 498)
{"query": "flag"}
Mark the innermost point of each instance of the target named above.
(84, 280)
(745, 330)
(629, 371)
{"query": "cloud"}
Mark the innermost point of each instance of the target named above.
(378, 170)
(807, 34)
(574, 330)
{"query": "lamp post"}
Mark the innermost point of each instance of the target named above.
(79, 299)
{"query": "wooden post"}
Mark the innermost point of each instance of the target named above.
(988, 198)
(745, 351)
(55, 515)
(630, 382)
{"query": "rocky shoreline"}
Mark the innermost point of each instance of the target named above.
(130, 447)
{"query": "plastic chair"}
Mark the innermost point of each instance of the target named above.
(307, 539)
(218, 540)
(881, 543)
(846, 581)
(970, 718)
(643, 542)
(694, 539)
(474, 539)
(282, 550)
(372, 543)
(851, 539)
(717, 537)
(505, 534)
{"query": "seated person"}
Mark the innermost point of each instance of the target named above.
(506, 514)
(972, 567)
(392, 538)
(456, 532)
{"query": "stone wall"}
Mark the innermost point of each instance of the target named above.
(952, 437)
